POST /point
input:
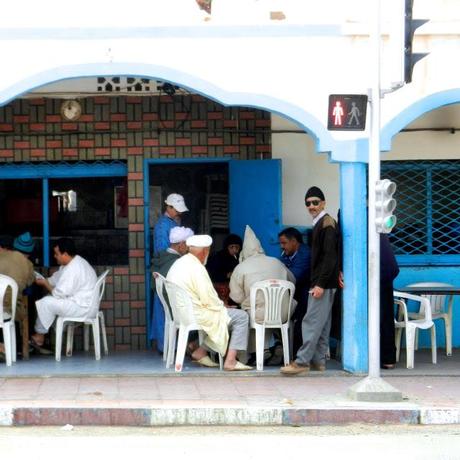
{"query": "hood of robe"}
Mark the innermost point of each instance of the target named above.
(251, 245)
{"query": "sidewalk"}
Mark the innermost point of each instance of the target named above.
(156, 397)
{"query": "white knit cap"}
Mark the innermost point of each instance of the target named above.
(177, 202)
(199, 241)
(179, 234)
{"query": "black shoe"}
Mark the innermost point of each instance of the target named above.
(39, 348)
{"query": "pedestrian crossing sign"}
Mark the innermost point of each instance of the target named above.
(347, 112)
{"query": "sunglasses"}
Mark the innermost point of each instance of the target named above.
(309, 203)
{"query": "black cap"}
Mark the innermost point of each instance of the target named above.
(315, 192)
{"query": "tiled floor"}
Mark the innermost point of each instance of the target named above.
(149, 363)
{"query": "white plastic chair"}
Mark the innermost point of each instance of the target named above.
(404, 322)
(170, 327)
(440, 309)
(275, 292)
(7, 320)
(93, 318)
(184, 321)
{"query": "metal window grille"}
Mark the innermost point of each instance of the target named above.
(428, 209)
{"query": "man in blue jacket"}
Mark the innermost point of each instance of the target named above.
(296, 257)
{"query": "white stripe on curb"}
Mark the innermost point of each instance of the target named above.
(6, 416)
(216, 416)
(439, 416)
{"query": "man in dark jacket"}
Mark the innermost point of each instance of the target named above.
(161, 263)
(323, 284)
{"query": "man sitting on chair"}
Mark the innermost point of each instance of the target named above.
(189, 272)
(161, 263)
(71, 289)
(16, 264)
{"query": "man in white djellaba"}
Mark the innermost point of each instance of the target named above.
(71, 289)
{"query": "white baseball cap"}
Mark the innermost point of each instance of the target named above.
(177, 202)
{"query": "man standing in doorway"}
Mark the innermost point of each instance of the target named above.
(323, 284)
(175, 206)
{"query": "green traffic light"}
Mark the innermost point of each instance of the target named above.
(389, 222)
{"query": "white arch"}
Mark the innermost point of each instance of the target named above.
(323, 140)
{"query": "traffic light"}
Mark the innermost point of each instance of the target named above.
(347, 112)
(410, 25)
(385, 204)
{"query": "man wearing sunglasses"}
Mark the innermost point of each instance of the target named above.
(323, 283)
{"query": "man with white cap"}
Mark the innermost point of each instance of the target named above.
(175, 206)
(189, 272)
(161, 263)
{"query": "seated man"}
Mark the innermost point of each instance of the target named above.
(189, 273)
(16, 264)
(221, 265)
(296, 257)
(161, 263)
(255, 266)
(71, 289)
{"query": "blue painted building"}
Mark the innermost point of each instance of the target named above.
(228, 84)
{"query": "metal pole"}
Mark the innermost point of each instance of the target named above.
(374, 388)
(374, 176)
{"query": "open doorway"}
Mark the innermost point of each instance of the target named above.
(205, 188)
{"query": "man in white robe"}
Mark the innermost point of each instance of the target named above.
(71, 289)
(189, 272)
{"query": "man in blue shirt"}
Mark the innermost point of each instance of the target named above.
(296, 257)
(175, 206)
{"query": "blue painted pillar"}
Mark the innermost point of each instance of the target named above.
(353, 190)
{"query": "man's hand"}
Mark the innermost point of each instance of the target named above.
(341, 281)
(44, 283)
(317, 292)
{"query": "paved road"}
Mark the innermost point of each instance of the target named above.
(349, 442)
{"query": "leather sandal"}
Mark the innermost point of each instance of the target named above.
(39, 348)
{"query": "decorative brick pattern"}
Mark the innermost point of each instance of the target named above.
(131, 129)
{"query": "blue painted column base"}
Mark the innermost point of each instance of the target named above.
(353, 190)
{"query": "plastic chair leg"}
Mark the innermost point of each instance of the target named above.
(448, 328)
(416, 339)
(433, 345)
(221, 361)
(410, 343)
(398, 334)
(172, 335)
(69, 348)
(13, 343)
(103, 332)
(7, 343)
(86, 337)
(181, 347)
(260, 341)
(97, 339)
(171, 344)
(285, 340)
(59, 328)
(166, 340)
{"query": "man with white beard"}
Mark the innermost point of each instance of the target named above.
(189, 272)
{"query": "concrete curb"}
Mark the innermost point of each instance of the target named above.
(223, 416)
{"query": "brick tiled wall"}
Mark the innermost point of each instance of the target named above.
(131, 129)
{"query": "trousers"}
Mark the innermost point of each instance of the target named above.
(316, 326)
